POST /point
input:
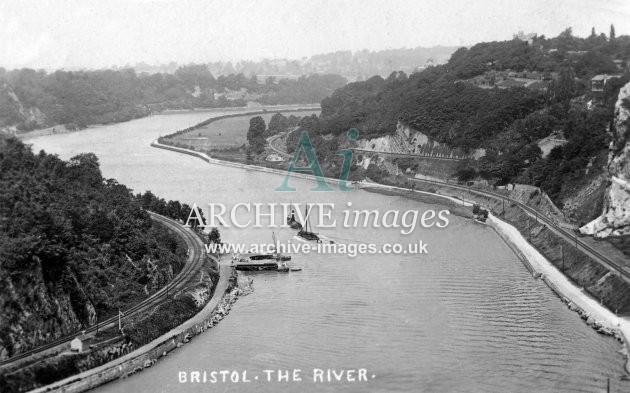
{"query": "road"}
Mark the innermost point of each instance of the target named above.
(618, 264)
(179, 282)
(411, 155)
(273, 144)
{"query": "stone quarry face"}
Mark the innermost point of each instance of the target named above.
(615, 219)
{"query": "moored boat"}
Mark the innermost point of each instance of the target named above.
(305, 233)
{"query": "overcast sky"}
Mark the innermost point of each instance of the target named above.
(93, 34)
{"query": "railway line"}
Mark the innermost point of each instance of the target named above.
(179, 282)
(562, 232)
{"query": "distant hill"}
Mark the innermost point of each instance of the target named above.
(354, 66)
(32, 99)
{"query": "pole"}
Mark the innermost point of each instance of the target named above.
(562, 251)
(119, 320)
(529, 231)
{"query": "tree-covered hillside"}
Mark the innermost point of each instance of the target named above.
(30, 99)
(501, 96)
(74, 246)
(440, 102)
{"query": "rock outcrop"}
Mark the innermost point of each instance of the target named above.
(406, 140)
(615, 218)
(13, 113)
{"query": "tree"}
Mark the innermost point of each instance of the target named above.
(255, 134)
(248, 155)
(612, 35)
(214, 236)
(277, 124)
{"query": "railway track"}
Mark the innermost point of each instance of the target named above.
(562, 232)
(193, 263)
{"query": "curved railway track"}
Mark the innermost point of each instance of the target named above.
(562, 232)
(193, 262)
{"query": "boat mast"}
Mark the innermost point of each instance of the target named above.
(275, 243)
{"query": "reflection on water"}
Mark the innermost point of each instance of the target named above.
(465, 317)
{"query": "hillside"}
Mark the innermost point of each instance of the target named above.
(74, 246)
(502, 98)
(32, 99)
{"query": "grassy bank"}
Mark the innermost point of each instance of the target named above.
(225, 133)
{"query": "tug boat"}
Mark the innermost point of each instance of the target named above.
(293, 222)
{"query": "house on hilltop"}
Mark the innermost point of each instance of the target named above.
(598, 82)
(529, 38)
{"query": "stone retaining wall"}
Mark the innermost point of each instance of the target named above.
(225, 295)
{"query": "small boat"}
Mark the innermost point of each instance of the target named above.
(278, 256)
(306, 234)
(293, 222)
(296, 268)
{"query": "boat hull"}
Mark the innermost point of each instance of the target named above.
(255, 266)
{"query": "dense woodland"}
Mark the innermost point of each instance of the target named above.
(73, 245)
(30, 99)
(442, 103)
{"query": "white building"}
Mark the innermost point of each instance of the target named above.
(76, 345)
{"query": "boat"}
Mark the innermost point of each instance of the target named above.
(278, 256)
(255, 262)
(283, 267)
(305, 233)
(259, 262)
(292, 222)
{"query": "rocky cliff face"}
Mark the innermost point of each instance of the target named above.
(40, 314)
(14, 113)
(615, 218)
(406, 140)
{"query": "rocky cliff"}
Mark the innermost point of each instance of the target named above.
(14, 113)
(615, 218)
(407, 140)
(41, 314)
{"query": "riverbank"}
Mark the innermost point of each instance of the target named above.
(232, 164)
(225, 294)
(456, 207)
(62, 129)
(592, 311)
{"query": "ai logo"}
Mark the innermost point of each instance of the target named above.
(313, 168)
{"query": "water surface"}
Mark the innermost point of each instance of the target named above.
(467, 317)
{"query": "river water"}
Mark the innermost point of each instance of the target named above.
(466, 317)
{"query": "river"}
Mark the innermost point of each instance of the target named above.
(465, 317)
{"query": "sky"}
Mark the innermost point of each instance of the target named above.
(70, 34)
